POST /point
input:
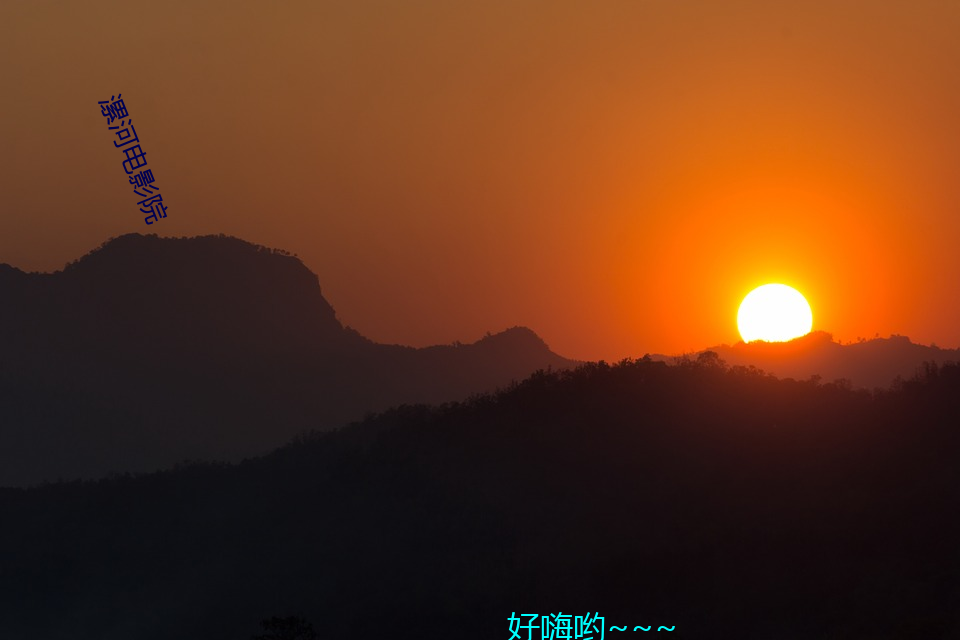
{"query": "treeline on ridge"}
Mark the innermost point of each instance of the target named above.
(717, 499)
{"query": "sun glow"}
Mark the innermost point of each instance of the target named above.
(774, 313)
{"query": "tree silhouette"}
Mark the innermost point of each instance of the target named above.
(599, 487)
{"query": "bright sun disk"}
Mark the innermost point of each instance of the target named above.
(774, 313)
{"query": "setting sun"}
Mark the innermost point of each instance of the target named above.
(774, 313)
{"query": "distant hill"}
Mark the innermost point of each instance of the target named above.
(717, 501)
(150, 350)
(867, 364)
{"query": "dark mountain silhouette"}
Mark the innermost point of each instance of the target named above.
(716, 500)
(869, 364)
(149, 351)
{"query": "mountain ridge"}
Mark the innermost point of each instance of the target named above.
(616, 488)
(147, 351)
(870, 364)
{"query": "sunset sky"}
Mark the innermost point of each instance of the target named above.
(616, 175)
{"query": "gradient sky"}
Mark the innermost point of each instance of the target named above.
(616, 175)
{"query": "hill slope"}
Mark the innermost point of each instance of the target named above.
(869, 364)
(719, 501)
(150, 350)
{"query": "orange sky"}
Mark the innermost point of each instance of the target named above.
(616, 175)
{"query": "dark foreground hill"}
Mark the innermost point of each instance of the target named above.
(721, 502)
(149, 351)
